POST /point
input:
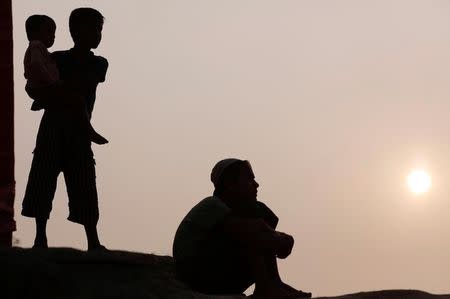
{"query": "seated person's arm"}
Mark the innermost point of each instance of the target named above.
(257, 234)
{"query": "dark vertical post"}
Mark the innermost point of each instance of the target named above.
(7, 182)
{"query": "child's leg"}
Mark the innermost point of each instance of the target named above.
(76, 106)
(71, 107)
(94, 136)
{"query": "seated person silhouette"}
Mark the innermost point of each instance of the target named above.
(228, 241)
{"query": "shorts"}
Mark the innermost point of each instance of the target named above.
(59, 149)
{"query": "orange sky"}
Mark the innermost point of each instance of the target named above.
(333, 102)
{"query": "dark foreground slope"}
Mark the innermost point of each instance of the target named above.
(69, 273)
(390, 294)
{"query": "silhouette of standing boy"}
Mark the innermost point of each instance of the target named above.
(59, 148)
(42, 76)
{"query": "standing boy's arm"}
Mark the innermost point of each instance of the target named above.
(47, 96)
(101, 69)
(86, 82)
(98, 74)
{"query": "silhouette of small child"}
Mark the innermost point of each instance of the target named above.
(43, 78)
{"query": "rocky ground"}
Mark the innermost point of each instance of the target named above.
(69, 273)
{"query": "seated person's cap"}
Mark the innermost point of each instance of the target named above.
(219, 169)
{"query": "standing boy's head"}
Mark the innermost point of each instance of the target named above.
(86, 26)
(41, 28)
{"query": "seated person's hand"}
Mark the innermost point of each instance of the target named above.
(286, 245)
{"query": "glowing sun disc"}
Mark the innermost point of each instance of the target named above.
(419, 181)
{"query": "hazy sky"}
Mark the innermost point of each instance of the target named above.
(333, 102)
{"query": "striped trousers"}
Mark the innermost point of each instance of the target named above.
(60, 149)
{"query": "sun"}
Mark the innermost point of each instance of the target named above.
(419, 181)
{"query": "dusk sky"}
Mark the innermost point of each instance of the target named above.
(333, 103)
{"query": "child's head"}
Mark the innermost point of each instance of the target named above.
(41, 28)
(86, 26)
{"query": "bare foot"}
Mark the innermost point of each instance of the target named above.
(297, 293)
(98, 247)
(274, 293)
(97, 138)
